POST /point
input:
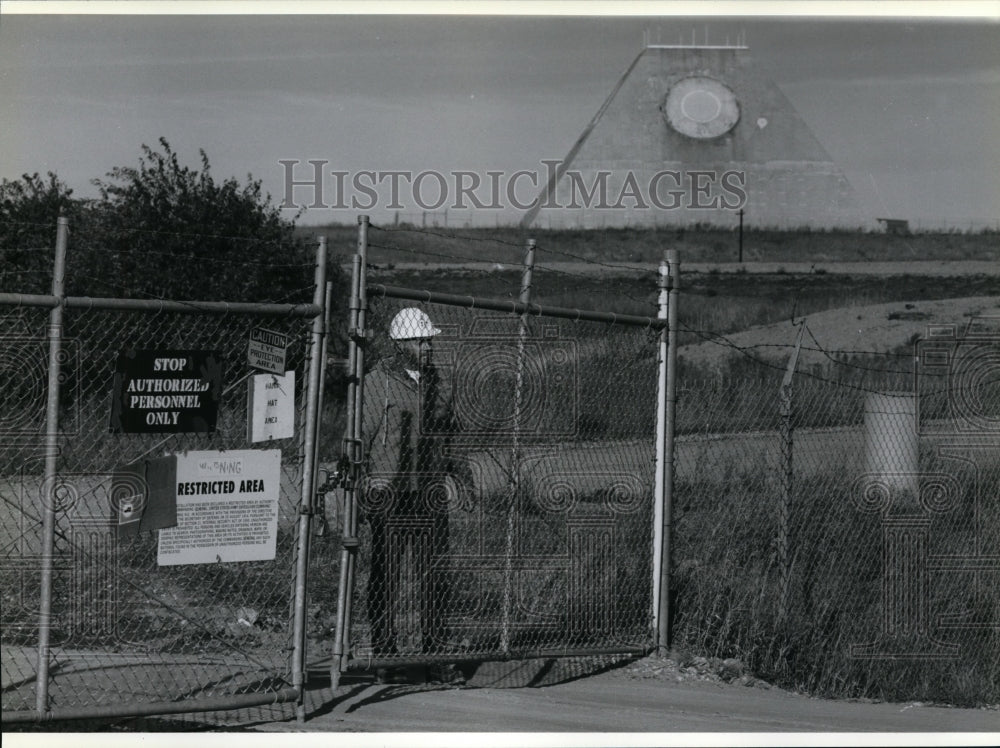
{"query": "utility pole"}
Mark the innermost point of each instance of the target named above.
(741, 236)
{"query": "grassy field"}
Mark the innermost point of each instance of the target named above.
(506, 245)
(728, 593)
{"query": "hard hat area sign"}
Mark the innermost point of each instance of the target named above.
(166, 391)
(272, 407)
(267, 350)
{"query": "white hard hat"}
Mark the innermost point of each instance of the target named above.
(412, 323)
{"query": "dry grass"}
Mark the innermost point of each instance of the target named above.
(696, 244)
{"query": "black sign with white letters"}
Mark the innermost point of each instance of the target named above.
(165, 391)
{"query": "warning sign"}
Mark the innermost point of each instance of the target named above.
(267, 350)
(272, 407)
(166, 391)
(227, 508)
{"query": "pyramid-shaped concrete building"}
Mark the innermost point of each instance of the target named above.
(692, 135)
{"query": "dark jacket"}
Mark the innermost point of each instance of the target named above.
(406, 428)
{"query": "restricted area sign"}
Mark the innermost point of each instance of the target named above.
(267, 350)
(166, 391)
(227, 508)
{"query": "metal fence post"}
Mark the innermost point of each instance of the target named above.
(665, 612)
(324, 362)
(352, 453)
(358, 336)
(658, 471)
(48, 489)
(308, 497)
(787, 446)
(515, 467)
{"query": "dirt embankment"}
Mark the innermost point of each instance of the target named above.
(879, 328)
(929, 268)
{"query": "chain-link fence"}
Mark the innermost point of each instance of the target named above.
(848, 544)
(835, 529)
(504, 502)
(165, 577)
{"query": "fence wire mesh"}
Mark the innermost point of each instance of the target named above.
(849, 548)
(125, 629)
(505, 503)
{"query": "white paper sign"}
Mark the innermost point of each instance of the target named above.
(272, 407)
(227, 508)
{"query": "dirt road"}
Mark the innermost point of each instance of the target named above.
(638, 698)
(622, 700)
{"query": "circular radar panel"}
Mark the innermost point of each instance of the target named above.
(701, 108)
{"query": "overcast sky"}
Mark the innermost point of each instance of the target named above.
(909, 109)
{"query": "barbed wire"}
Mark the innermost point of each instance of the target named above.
(817, 350)
(537, 266)
(723, 340)
(194, 304)
(713, 336)
(849, 364)
(204, 258)
(281, 299)
(27, 271)
(543, 268)
(710, 336)
(442, 235)
(174, 234)
(599, 263)
(744, 350)
(9, 222)
(538, 248)
(431, 253)
(581, 276)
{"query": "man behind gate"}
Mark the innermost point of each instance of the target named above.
(407, 419)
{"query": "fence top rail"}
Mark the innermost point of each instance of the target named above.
(161, 305)
(28, 299)
(514, 307)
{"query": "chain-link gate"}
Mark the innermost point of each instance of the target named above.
(124, 629)
(501, 504)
